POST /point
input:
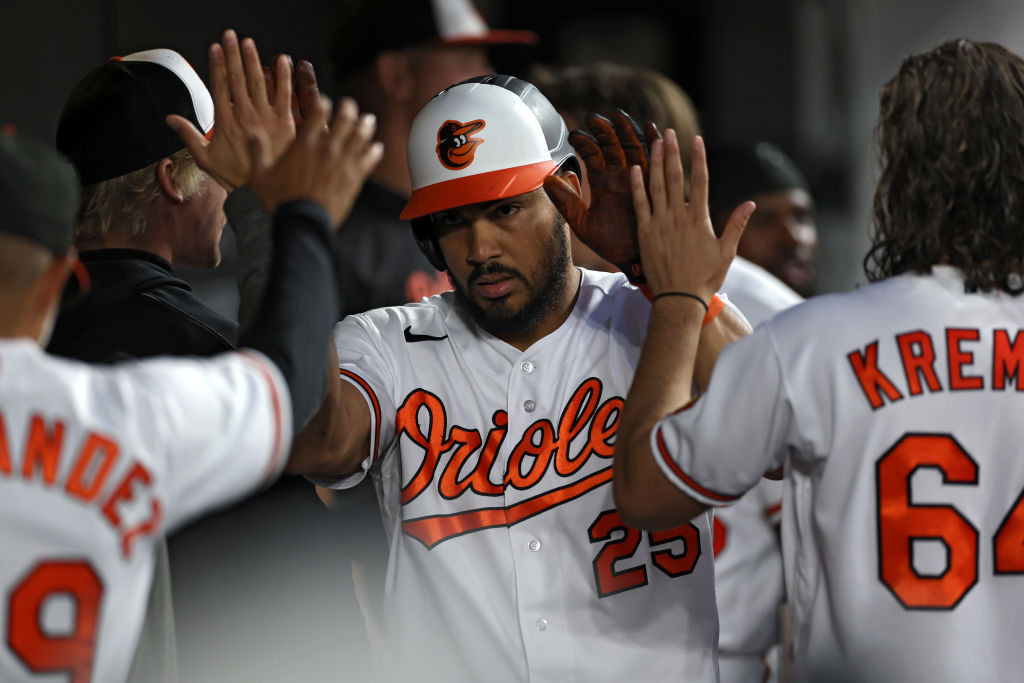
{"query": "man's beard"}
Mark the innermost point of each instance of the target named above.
(499, 319)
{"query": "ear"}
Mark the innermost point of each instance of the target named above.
(573, 180)
(165, 180)
(393, 73)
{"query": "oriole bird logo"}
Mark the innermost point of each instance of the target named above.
(455, 147)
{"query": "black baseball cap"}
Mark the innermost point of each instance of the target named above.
(114, 121)
(38, 194)
(370, 27)
(740, 171)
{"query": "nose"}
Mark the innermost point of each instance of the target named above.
(793, 232)
(484, 243)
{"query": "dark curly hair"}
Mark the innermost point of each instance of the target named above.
(951, 191)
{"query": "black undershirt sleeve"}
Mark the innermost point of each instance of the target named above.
(299, 307)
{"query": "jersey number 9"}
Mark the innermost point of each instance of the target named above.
(43, 652)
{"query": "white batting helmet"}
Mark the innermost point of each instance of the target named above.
(487, 138)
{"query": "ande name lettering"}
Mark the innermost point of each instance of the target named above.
(921, 365)
(88, 476)
(543, 445)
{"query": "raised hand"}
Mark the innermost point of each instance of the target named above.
(327, 165)
(677, 243)
(608, 226)
(243, 105)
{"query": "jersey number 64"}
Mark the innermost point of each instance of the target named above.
(901, 522)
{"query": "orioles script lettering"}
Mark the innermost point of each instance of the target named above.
(542, 448)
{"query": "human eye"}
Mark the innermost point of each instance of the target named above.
(447, 220)
(506, 210)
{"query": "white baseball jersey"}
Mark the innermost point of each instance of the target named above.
(508, 560)
(897, 411)
(748, 561)
(96, 464)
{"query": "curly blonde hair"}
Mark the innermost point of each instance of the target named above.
(120, 203)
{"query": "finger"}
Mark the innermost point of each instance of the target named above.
(631, 139)
(675, 181)
(369, 160)
(362, 135)
(641, 205)
(193, 138)
(603, 131)
(698, 175)
(656, 177)
(588, 149)
(344, 122)
(235, 72)
(735, 226)
(219, 81)
(316, 121)
(282, 97)
(268, 80)
(306, 90)
(567, 201)
(255, 83)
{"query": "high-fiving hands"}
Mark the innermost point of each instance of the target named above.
(255, 140)
(325, 164)
(246, 100)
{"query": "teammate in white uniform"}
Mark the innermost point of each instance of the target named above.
(97, 463)
(895, 408)
(487, 416)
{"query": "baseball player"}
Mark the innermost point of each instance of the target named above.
(96, 464)
(748, 559)
(895, 408)
(487, 416)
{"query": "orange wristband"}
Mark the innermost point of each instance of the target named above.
(715, 307)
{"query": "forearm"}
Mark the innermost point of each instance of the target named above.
(337, 438)
(253, 236)
(661, 385)
(299, 304)
(724, 329)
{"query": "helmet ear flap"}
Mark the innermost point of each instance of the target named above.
(426, 240)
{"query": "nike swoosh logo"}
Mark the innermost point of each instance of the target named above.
(412, 337)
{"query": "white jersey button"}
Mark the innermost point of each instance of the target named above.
(528, 406)
(535, 545)
(526, 367)
(542, 624)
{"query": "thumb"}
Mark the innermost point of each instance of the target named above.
(194, 140)
(735, 226)
(566, 200)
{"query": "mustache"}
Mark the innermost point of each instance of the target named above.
(492, 268)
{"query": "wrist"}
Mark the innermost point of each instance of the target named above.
(711, 306)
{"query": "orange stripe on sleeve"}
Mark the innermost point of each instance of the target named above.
(707, 493)
(277, 452)
(373, 401)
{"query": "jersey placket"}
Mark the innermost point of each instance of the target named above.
(542, 623)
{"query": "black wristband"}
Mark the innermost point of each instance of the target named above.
(686, 294)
